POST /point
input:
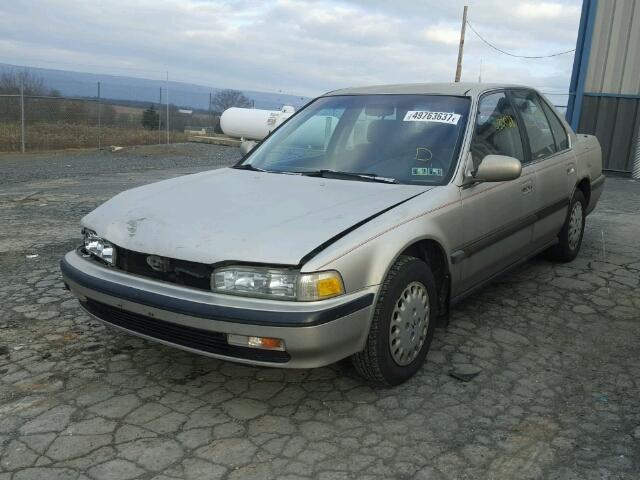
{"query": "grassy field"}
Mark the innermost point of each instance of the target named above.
(129, 110)
(60, 136)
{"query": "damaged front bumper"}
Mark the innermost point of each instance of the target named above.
(314, 333)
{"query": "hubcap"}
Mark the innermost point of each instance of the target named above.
(575, 225)
(409, 323)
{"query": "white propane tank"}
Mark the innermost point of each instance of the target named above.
(252, 123)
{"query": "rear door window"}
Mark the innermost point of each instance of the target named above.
(541, 141)
(559, 133)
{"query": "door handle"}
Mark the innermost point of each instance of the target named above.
(527, 187)
(571, 169)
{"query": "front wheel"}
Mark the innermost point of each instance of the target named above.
(402, 325)
(570, 237)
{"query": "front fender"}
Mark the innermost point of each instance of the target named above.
(365, 255)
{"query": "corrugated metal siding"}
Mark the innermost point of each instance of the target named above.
(631, 80)
(616, 123)
(614, 61)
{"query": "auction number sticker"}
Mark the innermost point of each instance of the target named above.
(426, 116)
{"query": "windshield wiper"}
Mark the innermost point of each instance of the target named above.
(248, 166)
(325, 173)
(365, 177)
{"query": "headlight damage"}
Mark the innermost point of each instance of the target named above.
(99, 247)
(249, 281)
(283, 284)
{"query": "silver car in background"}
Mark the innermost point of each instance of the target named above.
(349, 231)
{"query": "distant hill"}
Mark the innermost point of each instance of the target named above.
(131, 89)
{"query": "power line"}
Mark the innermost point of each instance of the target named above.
(513, 54)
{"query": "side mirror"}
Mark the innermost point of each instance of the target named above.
(247, 145)
(498, 168)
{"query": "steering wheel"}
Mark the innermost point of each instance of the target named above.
(435, 161)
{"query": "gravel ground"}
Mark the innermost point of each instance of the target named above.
(187, 157)
(558, 347)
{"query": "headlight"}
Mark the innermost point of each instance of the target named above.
(99, 247)
(277, 283)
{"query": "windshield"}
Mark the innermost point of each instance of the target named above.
(411, 139)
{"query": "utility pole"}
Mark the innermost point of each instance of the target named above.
(160, 117)
(22, 126)
(461, 47)
(99, 120)
(167, 108)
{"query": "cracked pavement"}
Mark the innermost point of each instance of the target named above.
(557, 347)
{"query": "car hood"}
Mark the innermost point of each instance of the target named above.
(238, 215)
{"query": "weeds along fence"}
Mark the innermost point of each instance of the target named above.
(30, 123)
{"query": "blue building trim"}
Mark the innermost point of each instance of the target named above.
(577, 57)
(581, 61)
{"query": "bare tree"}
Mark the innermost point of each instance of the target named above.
(10, 83)
(229, 98)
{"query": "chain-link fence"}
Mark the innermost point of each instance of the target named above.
(52, 121)
(46, 109)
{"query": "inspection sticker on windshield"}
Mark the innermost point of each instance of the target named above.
(428, 171)
(425, 116)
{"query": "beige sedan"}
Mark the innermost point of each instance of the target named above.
(348, 231)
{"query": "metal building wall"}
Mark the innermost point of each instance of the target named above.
(606, 79)
(614, 62)
(616, 122)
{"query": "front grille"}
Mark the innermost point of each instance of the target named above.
(196, 338)
(181, 272)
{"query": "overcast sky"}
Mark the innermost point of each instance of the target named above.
(304, 48)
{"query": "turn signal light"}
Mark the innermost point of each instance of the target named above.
(329, 287)
(265, 343)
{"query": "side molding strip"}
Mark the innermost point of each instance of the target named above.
(474, 247)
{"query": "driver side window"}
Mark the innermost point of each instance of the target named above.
(496, 130)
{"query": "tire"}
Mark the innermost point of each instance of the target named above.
(570, 237)
(377, 363)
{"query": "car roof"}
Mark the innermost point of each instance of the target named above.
(459, 89)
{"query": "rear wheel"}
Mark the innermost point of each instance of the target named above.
(402, 325)
(570, 237)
